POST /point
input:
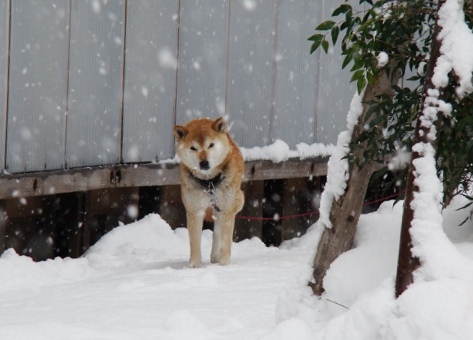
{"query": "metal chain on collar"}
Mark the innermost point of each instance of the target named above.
(213, 197)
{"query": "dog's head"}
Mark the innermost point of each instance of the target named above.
(202, 145)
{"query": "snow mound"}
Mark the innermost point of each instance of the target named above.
(359, 299)
(447, 312)
(20, 272)
(148, 240)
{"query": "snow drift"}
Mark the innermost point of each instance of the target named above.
(135, 283)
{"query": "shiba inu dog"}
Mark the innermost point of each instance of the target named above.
(211, 171)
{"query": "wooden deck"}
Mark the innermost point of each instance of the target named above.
(140, 175)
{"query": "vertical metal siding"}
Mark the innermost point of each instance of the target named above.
(295, 79)
(248, 59)
(38, 68)
(250, 67)
(150, 80)
(334, 90)
(4, 37)
(95, 83)
(202, 59)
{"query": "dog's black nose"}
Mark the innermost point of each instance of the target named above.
(204, 165)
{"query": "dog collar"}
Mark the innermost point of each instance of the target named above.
(211, 183)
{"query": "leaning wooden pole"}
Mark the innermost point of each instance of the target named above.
(346, 210)
(407, 262)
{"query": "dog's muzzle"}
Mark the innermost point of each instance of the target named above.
(204, 165)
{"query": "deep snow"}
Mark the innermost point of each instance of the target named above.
(135, 284)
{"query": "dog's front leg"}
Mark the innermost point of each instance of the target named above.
(216, 243)
(226, 224)
(194, 227)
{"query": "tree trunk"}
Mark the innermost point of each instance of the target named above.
(407, 263)
(345, 212)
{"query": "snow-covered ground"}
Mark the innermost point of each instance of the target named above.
(135, 284)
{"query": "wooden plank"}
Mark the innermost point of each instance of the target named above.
(150, 80)
(123, 176)
(95, 83)
(263, 170)
(38, 85)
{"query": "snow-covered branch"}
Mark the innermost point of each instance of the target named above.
(456, 50)
(338, 167)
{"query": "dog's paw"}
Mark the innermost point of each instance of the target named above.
(224, 261)
(195, 264)
(214, 257)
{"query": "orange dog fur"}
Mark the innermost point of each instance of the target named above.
(211, 172)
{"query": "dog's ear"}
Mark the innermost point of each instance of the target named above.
(180, 132)
(219, 125)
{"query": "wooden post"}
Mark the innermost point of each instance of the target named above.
(78, 219)
(149, 200)
(407, 263)
(272, 208)
(345, 212)
(248, 228)
(298, 199)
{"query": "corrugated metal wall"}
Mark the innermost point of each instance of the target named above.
(95, 100)
(37, 88)
(150, 80)
(4, 39)
(94, 82)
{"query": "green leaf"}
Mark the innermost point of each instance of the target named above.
(316, 37)
(365, 25)
(325, 45)
(371, 78)
(347, 60)
(359, 63)
(335, 31)
(314, 47)
(360, 85)
(325, 26)
(356, 75)
(317, 40)
(343, 8)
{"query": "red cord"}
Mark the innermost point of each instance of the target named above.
(309, 213)
(277, 218)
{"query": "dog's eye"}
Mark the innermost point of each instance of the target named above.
(211, 145)
(193, 148)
